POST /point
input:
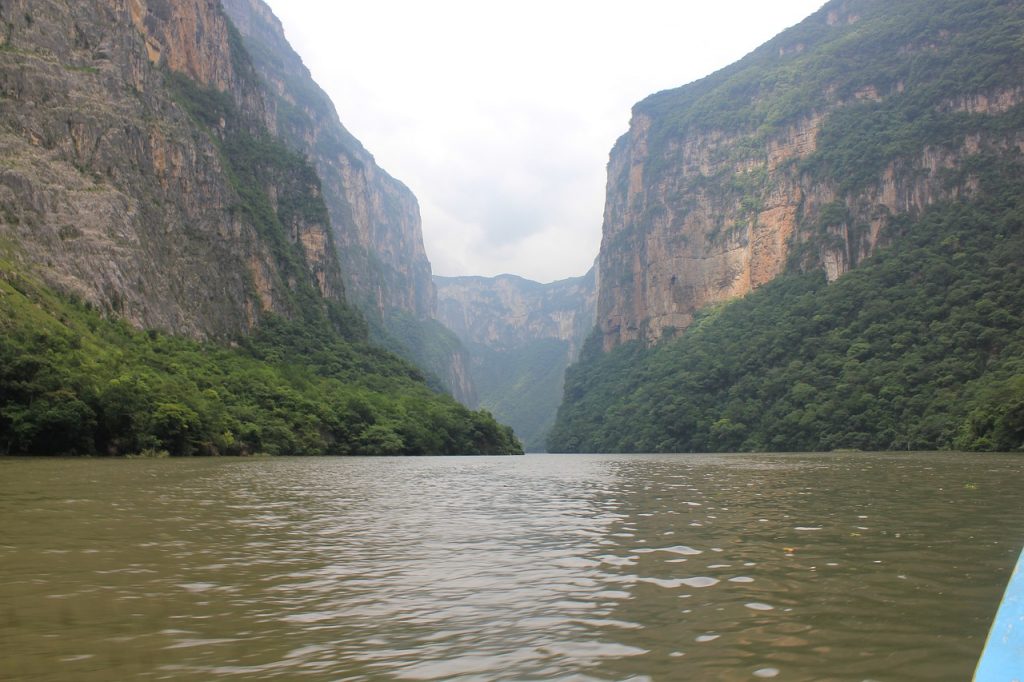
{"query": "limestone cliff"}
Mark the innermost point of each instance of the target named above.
(801, 155)
(110, 190)
(375, 218)
(521, 336)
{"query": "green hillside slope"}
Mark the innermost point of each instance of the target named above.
(230, 333)
(72, 382)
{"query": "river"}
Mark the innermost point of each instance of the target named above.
(848, 566)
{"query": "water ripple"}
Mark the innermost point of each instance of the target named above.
(539, 568)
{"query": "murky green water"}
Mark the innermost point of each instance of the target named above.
(797, 567)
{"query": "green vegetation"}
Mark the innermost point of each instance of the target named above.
(72, 382)
(306, 382)
(428, 344)
(522, 386)
(306, 120)
(253, 161)
(921, 347)
(915, 54)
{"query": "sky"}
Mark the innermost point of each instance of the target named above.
(500, 115)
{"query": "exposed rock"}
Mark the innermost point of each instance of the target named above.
(110, 190)
(187, 36)
(711, 226)
(460, 379)
(507, 311)
(376, 218)
(702, 212)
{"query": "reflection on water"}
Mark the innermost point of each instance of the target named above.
(792, 567)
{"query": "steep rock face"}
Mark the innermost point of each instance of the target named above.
(673, 245)
(189, 37)
(112, 192)
(722, 185)
(375, 217)
(376, 221)
(460, 379)
(521, 336)
(507, 311)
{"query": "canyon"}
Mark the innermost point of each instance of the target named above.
(377, 230)
(872, 142)
(719, 184)
(520, 335)
(174, 165)
(104, 171)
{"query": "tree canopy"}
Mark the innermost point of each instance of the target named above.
(72, 382)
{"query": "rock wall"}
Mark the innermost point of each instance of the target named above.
(376, 219)
(112, 192)
(188, 37)
(377, 231)
(507, 311)
(718, 187)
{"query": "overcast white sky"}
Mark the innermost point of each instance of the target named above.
(500, 115)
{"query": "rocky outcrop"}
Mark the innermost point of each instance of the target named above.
(459, 377)
(720, 186)
(112, 192)
(189, 37)
(521, 336)
(376, 218)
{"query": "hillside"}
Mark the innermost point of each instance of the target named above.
(74, 383)
(875, 146)
(803, 150)
(162, 249)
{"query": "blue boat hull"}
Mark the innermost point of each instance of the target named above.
(1003, 657)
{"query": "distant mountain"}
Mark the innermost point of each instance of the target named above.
(876, 146)
(171, 278)
(521, 336)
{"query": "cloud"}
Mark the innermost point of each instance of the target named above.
(499, 116)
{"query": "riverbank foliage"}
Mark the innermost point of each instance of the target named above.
(72, 382)
(921, 347)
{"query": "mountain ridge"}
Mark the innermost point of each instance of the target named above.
(721, 182)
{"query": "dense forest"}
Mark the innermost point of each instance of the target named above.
(73, 382)
(921, 348)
